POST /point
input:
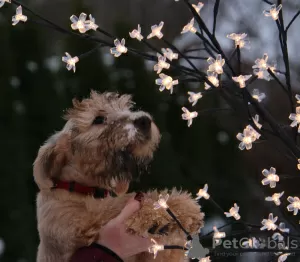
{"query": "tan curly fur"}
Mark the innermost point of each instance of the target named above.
(106, 155)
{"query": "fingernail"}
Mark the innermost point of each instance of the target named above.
(139, 196)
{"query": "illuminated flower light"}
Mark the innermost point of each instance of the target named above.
(262, 74)
(239, 40)
(277, 236)
(189, 27)
(205, 259)
(233, 212)
(246, 138)
(218, 235)
(168, 53)
(155, 248)
(161, 202)
(261, 63)
(256, 122)
(203, 193)
(273, 12)
(71, 61)
(19, 16)
(187, 115)
(2, 2)
(216, 65)
(283, 257)
(194, 97)
(269, 223)
(251, 243)
(198, 7)
(79, 23)
(271, 177)
(136, 33)
(295, 118)
(298, 166)
(166, 82)
(156, 31)
(241, 79)
(91, 24)
(162, 64)
(298, 98)
(213, 78)
(295, 204)
(119, 49)
(282, 228)
(275, 198)
(257, 95)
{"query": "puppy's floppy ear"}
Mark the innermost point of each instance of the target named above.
(52, 157)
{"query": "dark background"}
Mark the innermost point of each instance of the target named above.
(36, 88)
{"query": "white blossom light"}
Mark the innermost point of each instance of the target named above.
(295, 204)
(119, 49)
(203, 193)
(239, 40)
(71, 61)
(298, 166)
(91, 24)
(198, 7)
(271, 177)
(295, 118)
(189, 27)
(189, 116)
(156, 31)
(256, 122)
(257, 95)
(216, 65)
(162, 64)
(283, 257)
(218, 235)
(166, 82)
(273, 12)
(275, 198)
(241, 79)
(168, 53)
(136, 33)
(251, 243)
(269, 223)
(213, 78)
(205, 259)
(277, 236)
(2, 2)
(155, 248)
(161, 202)
(282, 228)
(298, 98)
(80, 23)
(262, 74)
(233, 212)
(261, 63)
(194, 97)
(19, 16)
(247, 138)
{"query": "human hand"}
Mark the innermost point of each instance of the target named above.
(114, 236)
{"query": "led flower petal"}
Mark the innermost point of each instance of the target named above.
(162, 64)
(161, 202)
(275, 198)
(189, 27)
(269, 223)
(155, 248)
(241, 79)
(91, 24)
(298, 98)
(71, 61)
(248, 136)
(203, 193)
(295, 204)
(2, 2)
(19, 16)
(261, 63)
(205, 259)
(271, 177)
(262, 74)
(251, 243)
(282, 228)
(295, 118)
(156, 31)
(213, 78)
(277, 236)
(194, 97)
(168, 53)
(136, 33)
(216, 65)
(273, 12)
(166, 82)
(79, 23)
(283, 257)
(257, 95)
(239, 40)
(187, 115)
(218, 235)
(298, 166)
(233, 212)
(198, 7)
(119, 49)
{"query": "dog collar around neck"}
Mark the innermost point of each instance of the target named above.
(81, 189)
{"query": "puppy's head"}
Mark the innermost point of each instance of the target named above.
(104, 143)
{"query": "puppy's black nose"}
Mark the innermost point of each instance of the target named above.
(143, 123)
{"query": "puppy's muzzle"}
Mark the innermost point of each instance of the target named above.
(143, 124)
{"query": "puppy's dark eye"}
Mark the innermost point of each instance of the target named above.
(99, 120)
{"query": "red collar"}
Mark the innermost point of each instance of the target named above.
(81, 189)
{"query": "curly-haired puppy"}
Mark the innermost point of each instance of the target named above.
(102, 145)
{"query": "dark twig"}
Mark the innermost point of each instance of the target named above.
(216, 10)
(292, 21)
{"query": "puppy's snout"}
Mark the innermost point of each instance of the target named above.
(143, 124)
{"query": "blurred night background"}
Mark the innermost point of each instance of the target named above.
(36, 88)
